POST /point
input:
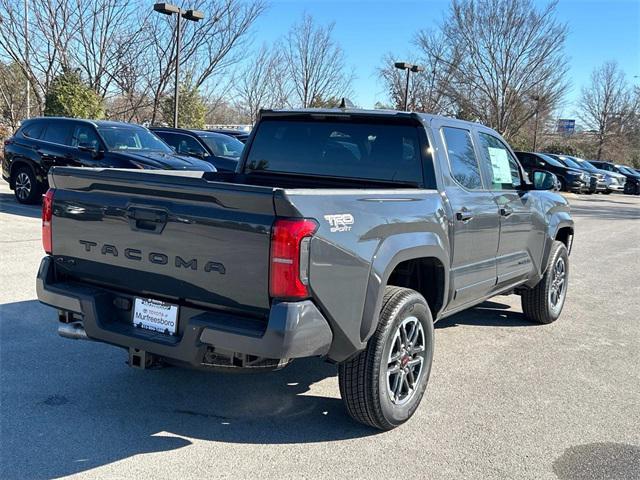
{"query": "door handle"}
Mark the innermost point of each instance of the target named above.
(506, 211)
(464, 215)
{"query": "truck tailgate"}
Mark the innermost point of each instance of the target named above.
(167, 235)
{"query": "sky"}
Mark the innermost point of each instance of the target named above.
(599, 30)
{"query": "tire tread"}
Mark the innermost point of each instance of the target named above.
(534, 301)
(356, 374)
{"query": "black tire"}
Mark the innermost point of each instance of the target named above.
(563, 184)
(365, 379)
(26, 188)
(607, 192)
(538, 303)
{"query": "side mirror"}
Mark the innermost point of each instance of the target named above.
(543, 180)
(87, 147)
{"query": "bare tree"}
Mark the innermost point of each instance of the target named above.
(208, 45)
(51, 27)
(107, 38)
(427, 89)
(316, 64)
(605, 105)
(260, 84)
(13, 103)
(123, 50)
(488, 61)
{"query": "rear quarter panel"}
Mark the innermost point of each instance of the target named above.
(351, 261)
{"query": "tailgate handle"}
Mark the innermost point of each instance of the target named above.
(147, 219)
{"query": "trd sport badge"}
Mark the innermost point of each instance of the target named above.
(340, 222)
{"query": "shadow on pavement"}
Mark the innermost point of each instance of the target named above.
(599, 461)
(603, 212)
(489, 314)
(9, 204)
(69, 405)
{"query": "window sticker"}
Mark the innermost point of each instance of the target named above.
(500, 165)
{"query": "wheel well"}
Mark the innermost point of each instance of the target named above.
(564, 234)
(425, 276)
(16, 164)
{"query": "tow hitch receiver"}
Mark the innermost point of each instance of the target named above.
(141, 359)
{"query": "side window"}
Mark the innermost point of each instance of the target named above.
(462, 158)
(525, 159)
(85, 135)
(57, 132)
(169, 138)
(502, 166)
(34, 130)
(189, 146)
(183, 144)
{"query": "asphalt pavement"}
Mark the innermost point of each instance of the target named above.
(507, 398)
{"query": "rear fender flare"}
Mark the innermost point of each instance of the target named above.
(393, 251)
(557, 221)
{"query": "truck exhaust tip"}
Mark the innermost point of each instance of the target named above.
(74, 330)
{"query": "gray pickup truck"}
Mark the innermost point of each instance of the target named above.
(344, 234)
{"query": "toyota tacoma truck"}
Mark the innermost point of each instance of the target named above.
(343, 234)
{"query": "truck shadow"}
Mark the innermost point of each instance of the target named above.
(489, 314)
(70, 406)
(9, 205)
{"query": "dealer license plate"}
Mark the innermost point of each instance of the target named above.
(155, 315)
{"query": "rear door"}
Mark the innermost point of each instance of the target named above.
(55, 145)
(475, 223)
(520, 239)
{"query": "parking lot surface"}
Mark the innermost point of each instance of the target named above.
(506, 399)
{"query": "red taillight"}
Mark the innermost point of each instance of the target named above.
(47, 215)
(290, 257)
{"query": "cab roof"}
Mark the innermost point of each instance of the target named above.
(424, 118)
(95, 123)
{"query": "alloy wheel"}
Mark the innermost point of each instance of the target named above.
(406, 360)
(23, 186)
(558, 282)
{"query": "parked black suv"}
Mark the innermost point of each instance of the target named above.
(632, 186)
(596, 180)
(41, 143)
(241, 135)
(223, 151)
(571, 179)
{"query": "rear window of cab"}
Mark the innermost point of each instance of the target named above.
(338, 148)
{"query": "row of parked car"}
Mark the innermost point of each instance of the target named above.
(41, 143)
(582, 176)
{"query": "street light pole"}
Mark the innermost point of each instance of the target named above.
(409, 68)
(536, 98)
(176, 81)
(194, 16)
(406, 91)
(26, 54)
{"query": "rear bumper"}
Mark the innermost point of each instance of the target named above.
(293, 329)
